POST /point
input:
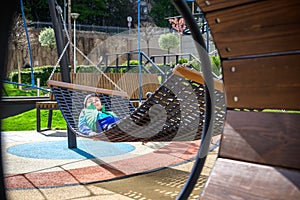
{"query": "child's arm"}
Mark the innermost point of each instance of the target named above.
(82, 125)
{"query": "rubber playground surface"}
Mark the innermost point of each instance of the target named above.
(42, 161)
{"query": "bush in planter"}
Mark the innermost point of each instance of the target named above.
(42, 72)
(216, 65)
(87, 69)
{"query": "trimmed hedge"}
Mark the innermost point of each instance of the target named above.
(44, 72)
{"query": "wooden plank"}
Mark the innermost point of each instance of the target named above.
(258, 28)
(259, 137)
(239, 180)
(269, 82)
(211, 5)
(196, 76)
(86, 88)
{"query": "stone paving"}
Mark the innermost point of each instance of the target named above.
(33, 178)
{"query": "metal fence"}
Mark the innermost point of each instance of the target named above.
(80, 27)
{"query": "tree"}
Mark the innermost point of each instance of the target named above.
(147, 34)
(47, 38)
(168, 41)
(91, 12)
(118, 11)
(37, 10)
(162, 9)
(19, 41)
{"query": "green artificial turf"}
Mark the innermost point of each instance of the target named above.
(13, 90)
(27, 121)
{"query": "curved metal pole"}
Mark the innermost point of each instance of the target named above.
(6, 14)
(28, 41)
(183, 8)
(139, 51)
(74, 51)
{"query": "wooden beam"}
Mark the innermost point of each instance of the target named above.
(258, 83)
(71, 86)
(231, 179)
(212, 5)
(261, 27)
(259, 137)
(195, 76)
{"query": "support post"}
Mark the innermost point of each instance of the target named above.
(139, 52)
(64, 66)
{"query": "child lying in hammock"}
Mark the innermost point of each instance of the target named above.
(94, 117)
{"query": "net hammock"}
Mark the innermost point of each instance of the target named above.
(174, 112)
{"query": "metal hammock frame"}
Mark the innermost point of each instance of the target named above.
(174, 112)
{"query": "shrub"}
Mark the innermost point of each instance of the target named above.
(42, 72)
(216, 64)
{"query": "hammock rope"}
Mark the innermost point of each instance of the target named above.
(59, 10)
(174, 112)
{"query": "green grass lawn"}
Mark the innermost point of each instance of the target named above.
(27, 121)
(13, 90)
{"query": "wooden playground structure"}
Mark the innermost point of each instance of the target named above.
(259, 43)
(259, 46)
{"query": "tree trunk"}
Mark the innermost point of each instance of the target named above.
(19, 57)
(148, 49)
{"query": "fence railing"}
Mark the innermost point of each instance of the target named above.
(80, 27)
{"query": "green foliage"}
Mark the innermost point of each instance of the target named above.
(42, 72)
(104, 12)
(196, 65)
(47, 38)
(13, 90)
(96, 12)
(117, 11)
(91, 12)
(131, 62)
(121, 69)
(216, 64)
(168, 41)
(86, 69)
(282, 111)
(183, 60)
(27, 121)
(38, 10)
(162, 9)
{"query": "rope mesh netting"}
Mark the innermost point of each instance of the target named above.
(174, 112)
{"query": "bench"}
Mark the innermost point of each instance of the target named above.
(45, 105)
(259, 45)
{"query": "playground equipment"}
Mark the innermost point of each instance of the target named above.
(258, 157)
(207, 88)
(259, 46)
(201, 94)
(174, 112)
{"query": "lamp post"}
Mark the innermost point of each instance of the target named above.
(129, 20)
(74, 17)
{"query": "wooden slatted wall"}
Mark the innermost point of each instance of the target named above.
(259, 45)
(128, 82)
